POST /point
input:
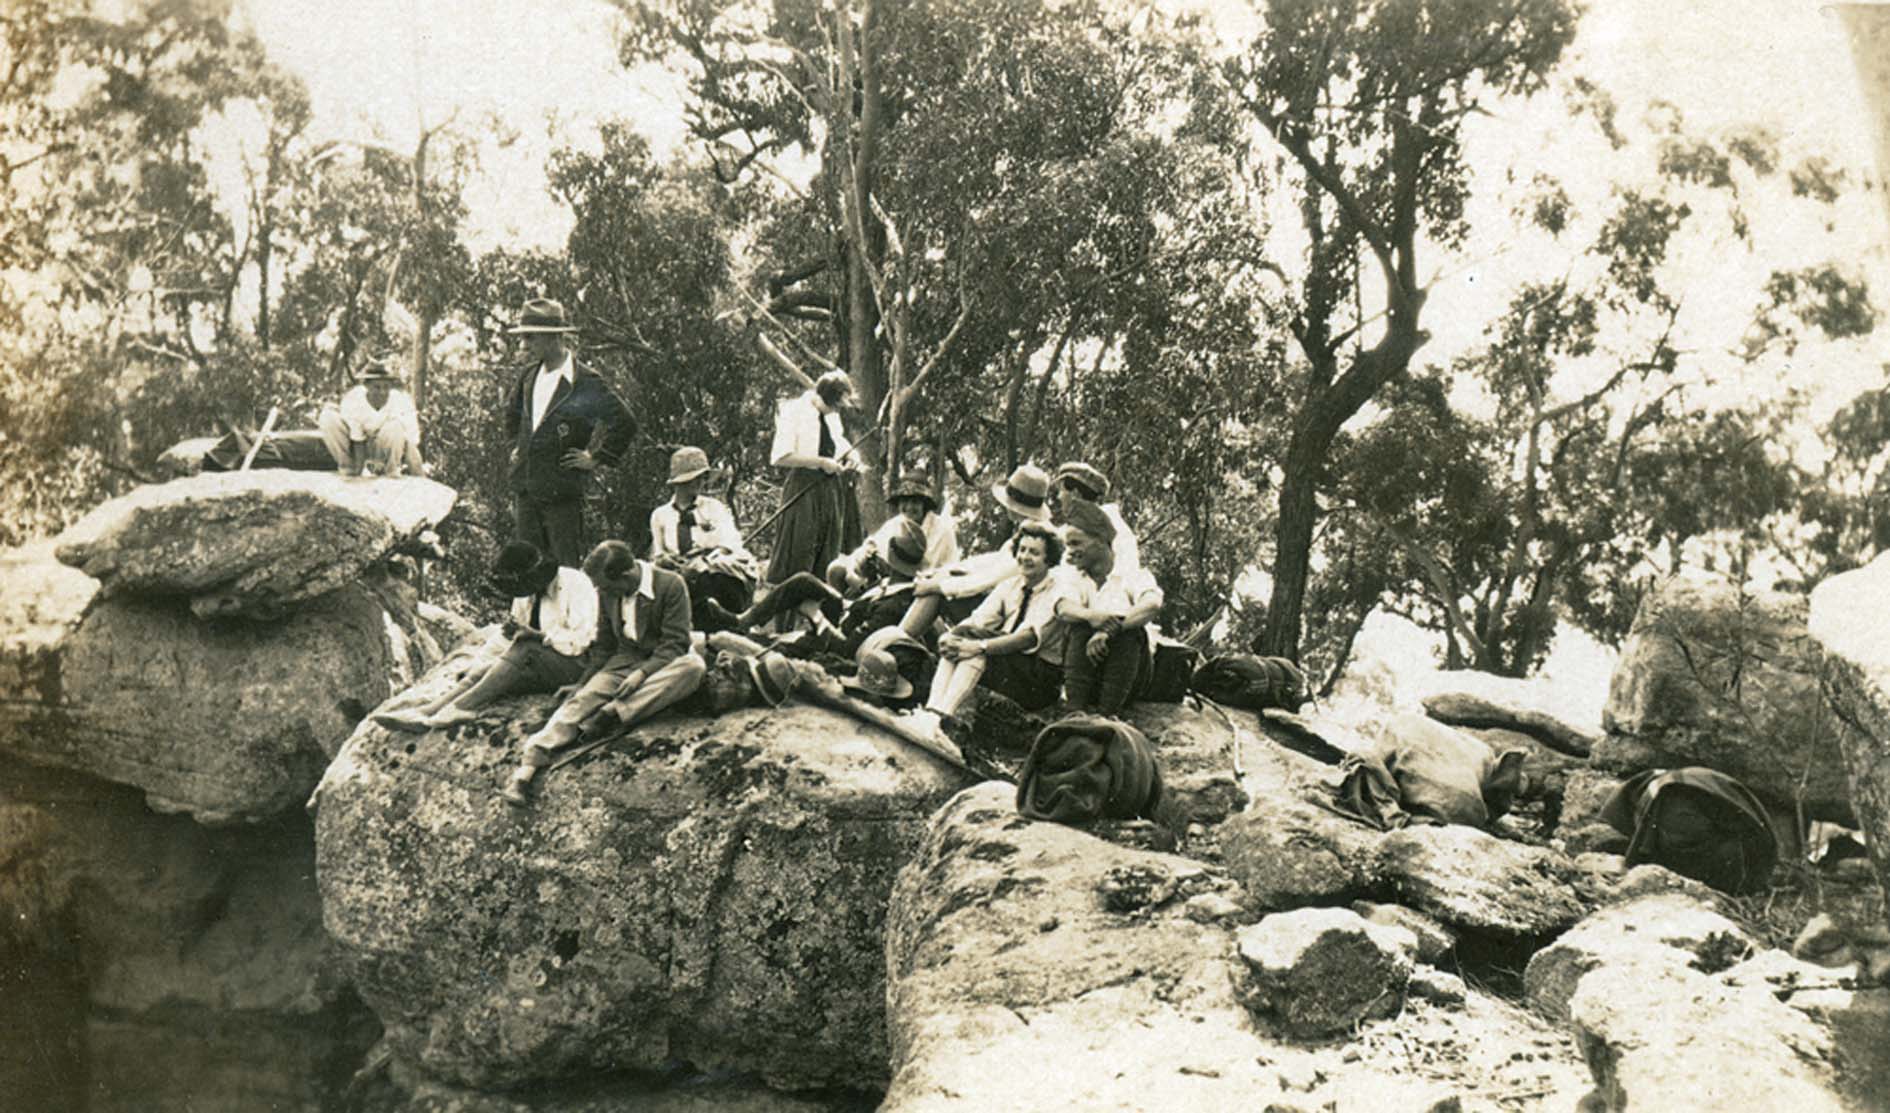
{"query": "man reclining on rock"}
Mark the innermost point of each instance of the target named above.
(552, 626)
(1421, 770)
(840, 622)
(646, 660)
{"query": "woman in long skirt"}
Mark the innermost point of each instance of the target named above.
(811, 445)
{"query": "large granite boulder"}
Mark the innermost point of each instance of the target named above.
(229, 720)
(253, 543)
(1021, 980)
(159, 964)
(709, 890)
(1716, 676)
(1848, 619)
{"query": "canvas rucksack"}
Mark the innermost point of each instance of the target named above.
(1697, 822)
(1251, 682)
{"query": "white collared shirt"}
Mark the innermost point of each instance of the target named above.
(1120, 592)
(546, 385)
(714, 527)
(363, 421)
(568, 616)
(997, 614)
(797, 429)
(646, 589)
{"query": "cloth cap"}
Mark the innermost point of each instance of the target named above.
(541, 315)
(1089, 477)
(1087, 516)
(686, 463)
(1025, 492)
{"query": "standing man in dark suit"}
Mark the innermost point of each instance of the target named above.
(564, 421)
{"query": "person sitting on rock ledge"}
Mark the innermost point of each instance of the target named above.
(956, 589)
(911, 501)
(646, 660)
(374, 430)
(695, 536)
(1108, 610)
(552, 625)
(840, 621)
(1014, 642)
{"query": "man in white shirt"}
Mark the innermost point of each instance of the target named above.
(375, 429)
(1014, 642)
(695, 536)
(955, 589)
(552, 625)
(1108, 610)
(911, 501)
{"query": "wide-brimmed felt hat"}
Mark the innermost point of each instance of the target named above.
(686, 463)
(1025, 492)
(905, 550)
(912, 487)
(541, 315)
(1089, 477)
(379, 369)
(879, 675)
(1087, 516)
(773, 674)
(520, 568)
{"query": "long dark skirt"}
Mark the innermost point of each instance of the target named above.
(810, 532)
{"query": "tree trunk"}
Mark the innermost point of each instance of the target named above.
(1293, 533)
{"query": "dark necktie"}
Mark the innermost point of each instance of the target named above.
(1023, 607)
(685, 531)
(538, 602)
(826, 436)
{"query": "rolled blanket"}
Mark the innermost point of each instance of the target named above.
(1698, 823)
(1085, 767)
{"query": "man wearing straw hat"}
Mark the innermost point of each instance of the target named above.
(695, 536)
(956, 589)
(375, 428)
(564, 421)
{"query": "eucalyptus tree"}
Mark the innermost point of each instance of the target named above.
(1366, 101)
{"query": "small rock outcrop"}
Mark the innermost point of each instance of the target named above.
(251, 543)
(1848, 621)
(1652, 933)
(1469, 709)
(1716, 676)
(1319, 971)
(229, 720)
(715, 893)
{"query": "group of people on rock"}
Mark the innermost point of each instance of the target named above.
(1057, 610)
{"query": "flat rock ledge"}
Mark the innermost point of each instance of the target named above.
(250, 543)
(707, 890)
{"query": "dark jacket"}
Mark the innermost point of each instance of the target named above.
(663, 623)
(585, 413)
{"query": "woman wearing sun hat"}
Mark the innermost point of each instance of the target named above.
(695, 535)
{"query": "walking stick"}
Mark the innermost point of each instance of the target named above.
(783, 509)
(261, 436)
